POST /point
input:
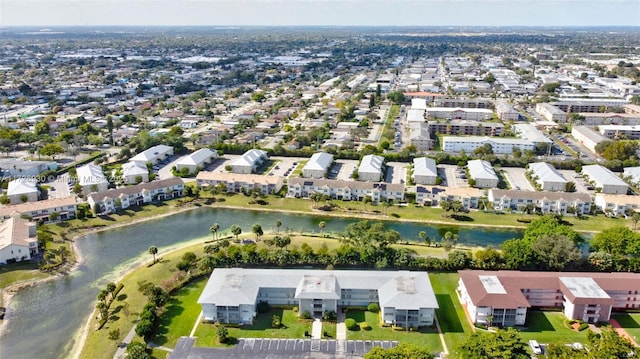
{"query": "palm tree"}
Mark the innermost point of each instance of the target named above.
(322, 226)
(153, 250)
(367, 200)
(236, 230)
(257, 230)
(214, 230)
(278, 224)
(423, 236)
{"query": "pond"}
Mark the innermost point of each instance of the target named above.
(44, 320)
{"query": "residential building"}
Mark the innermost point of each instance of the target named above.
(237, 182)
(91, 178)
(529, 132)
(617, 204)
(610, 118)
(134, 173)
(424, 171)
(503, 297)
(249, 162)
(406, 299)
(506, 112)
(547, 177)
(476, 114)
(588, 104)
(542, 202)
(622, 132)
(607, 181)
(13, 167)
(415, 115)
(466, 128)
(371, 168)
(461, 103)
(22, 190)
(18, 239)
(346, 190)
(64, 207)
(482, 173)
(551, 113)
(499, 145)
(588, 137)
(155, 154)
(137, 195)
(197, 160)
(318, 165)
(420, 137)
(432, 196)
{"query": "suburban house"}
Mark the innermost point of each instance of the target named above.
(18, 239)
(346, 190)
(482, 173)
(543, 202)
(135, 172)
(249, 161)
(236, 183)
(432, 196)
(370, 168)
(547, 177)
(136, 195)
(318, 165)
(18, 168)
(154, 155)
(617, 204)
(22, 190)
(499, 145)
(91, 178)
(231, 295)
(64, 208)
(503, 297)
(196, 160)
(424, 171)
(603, 178)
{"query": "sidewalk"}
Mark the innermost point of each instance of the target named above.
(341, 328)
(316, 329)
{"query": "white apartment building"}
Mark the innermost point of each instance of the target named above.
(483, 174)
(371, 168)
(499, 145)
(543, 202)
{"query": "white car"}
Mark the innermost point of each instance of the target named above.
(535, 346)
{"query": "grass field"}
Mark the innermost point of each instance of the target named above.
(548, 327)
(630, 323)
(451, 315)
(427, 337)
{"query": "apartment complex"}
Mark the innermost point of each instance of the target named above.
(346, 190)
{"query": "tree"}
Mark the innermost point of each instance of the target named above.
(503, 344)
(153, 250)
(278, 225)
(617, 240)
(423, 236)
(396, 97)
(137, 350)
(366, 200)
(555, 251)
(322, 226)
(222, 334)
(214, 230)
(110, 129)
(402, 350)
(236, 230)
(51, 150)
(144, 328)
(635, 218)
(257, 230)
(608, 344)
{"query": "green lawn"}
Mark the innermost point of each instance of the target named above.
(180, 314)
(427, 337)
(630, 323)
(548, 327)
(291, 328)
(453, 321)
(18, 272)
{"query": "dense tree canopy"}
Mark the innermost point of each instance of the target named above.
(402, 351)
(618, 241)
(503, 344)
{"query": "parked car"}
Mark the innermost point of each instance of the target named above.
(535, 346)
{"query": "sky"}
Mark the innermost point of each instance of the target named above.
(321, 12)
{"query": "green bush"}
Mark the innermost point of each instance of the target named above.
(276, 322)
(329, 315)
(365, 326)
(295, 309)
(305, 315)
(351, 324)
(373, 307)
(583, 326)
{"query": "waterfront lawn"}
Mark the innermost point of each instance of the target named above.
(548, 327)
(18, 272)
(292, 327)
(425, 337)
(630, 322)
(124, 311)
(451, 315)
(180, 313)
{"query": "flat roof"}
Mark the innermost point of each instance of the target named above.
(583, 287)
(492, 284)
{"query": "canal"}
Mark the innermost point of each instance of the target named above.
(45, 320)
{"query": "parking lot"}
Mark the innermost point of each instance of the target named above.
(281, 348)
(452, 176)
(396, 172)
(516, 178)
(344, 169)
(581, 184)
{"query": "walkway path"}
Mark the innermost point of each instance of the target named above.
(195, 325)
(316, 329)
(623, 333)
(445, 350)
(341, 328)
(121, 352)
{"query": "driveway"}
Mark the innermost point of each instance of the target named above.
(345, 169)
(396, 172)
(451, 177)
(516, 178)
